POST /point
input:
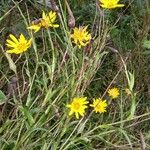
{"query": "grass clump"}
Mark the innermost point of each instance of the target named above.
(68, 79)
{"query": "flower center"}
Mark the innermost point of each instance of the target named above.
(79, 36)
(110, 4)
(21, 46)
(76, 106)
(98, 106)
(44, 23)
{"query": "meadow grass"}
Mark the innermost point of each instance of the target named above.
(37, 85)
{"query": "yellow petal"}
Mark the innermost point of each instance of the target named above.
(120, 5)
(13, 51)
(77, 115)
(82, 114)
(91, 105)
(35, 27)
(52, 19)
(102, 1)
(13, 38)
(29, 42)
(10, 45)
(55, 25)
(84, 29)
(10, 42)
(68, 105)
(22, 39)
(52, 14)
(79, 46)
(44, 15)
(82, 44)
(70, 113)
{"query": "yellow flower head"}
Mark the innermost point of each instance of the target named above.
(113, 93)
(99, 105)
(80, 36)
(46, 21)
(110, 4)
(78, 106)
(19, 45)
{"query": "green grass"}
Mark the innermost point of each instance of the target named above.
(36, 86)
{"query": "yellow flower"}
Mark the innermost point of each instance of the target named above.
(113, 93)
(99, 105)
(19, 45)
(78, 106)
(46, 21)
(80, 36)
(110, 4)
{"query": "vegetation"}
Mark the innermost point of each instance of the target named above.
(74, 74)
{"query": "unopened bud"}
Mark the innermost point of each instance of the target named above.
(113, 49)
(54, 6)
(71, 22)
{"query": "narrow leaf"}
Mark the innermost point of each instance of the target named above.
(2, 98)
(26, 113)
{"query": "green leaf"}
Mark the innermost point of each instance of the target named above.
(131, 77)
(26, 113)
(2, 98)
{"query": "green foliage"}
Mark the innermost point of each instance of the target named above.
(2, 98)
(54, 71)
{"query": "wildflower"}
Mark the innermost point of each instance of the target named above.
(110, 4)
(99, 105)
(19, 45)
(80, 36)
(78, 106)
(46, 21)
(113, 93)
